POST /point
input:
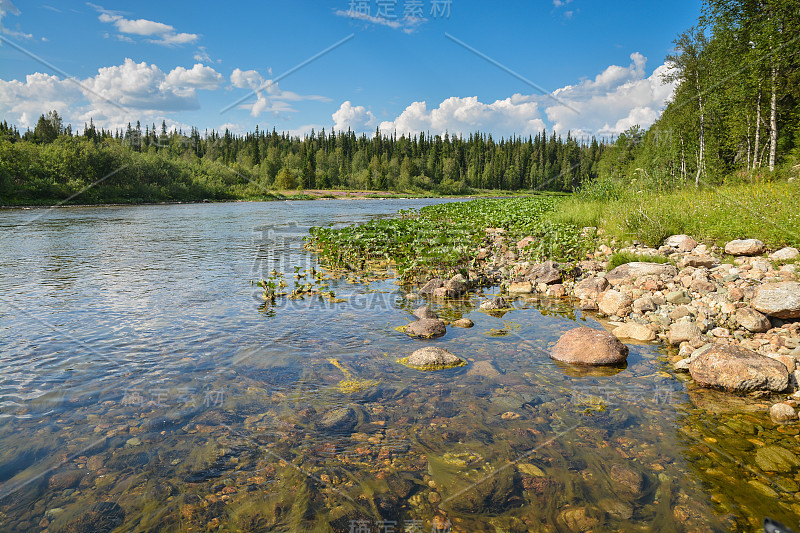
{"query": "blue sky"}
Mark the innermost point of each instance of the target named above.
(404, 65)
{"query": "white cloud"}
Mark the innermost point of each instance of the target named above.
(161, 33)
(611, 102)
(406, 24)
(270, 97)
(39, 93)
(515, 115)
(357, 118)
(202, 55)
(616, 99)
(8, 8)
(113, 97)
(198, 77)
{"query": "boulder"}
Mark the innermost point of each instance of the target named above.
(745, 247)
(443, 293)
(629, 272)
(614, 303)
(458, 284)
(779, 300)
(432, 358)
(343, 419)
(590, 288)
(782, 413)
(738, 369)
(698, 261)
(685, 330)
(632, 330)
(424, 312)
(522, 287)
(427, 328)
(586, 346)
(784, 254)
(548, 273)
(644, 304)
(463, 323)
(494, 304)
(752, 320)
(684, 243)
(432, 285)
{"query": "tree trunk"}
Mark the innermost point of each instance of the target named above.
(773, 119)
(701, 159)
(756, 162)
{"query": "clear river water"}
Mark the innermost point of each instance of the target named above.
(146, 386)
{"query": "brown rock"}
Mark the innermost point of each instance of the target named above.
(433, 284)
(427, 328)
(590, 288)
(424, 312)
(626, 479)
(629, 272)
(586, 346)
(701, 286)
(745, 247)
(779, 300)
(684, 243)
(522, 287)
(685, 330)
(632, 330)
(432, 356)
(752, 320)
(548, 273)
(737, 369)
(557, 291)
(494, 304)
(458, 284)
(614, 303)
(463, 323)
(782, 413)
(698, 261)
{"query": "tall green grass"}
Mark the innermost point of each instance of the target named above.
(768, 211)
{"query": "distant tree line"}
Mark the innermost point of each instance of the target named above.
(156, 164)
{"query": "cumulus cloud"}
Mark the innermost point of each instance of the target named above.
(356, 118)
(198, 77)
(608, 104)
(614, 100)
(113, 97)
(159, 33)
(269, 96)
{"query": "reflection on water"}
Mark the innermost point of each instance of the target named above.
(142, 388)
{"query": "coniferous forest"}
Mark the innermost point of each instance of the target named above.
(152, 164)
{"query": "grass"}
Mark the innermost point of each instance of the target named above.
(621, 258)
(766, 211)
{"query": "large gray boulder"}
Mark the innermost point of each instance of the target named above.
(781, 300)
(586, 346)
(736, 369)
(630, 272)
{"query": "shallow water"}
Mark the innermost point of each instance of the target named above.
(145, 386)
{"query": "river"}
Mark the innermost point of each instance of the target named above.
(145, 386)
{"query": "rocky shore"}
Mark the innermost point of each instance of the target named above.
(731, 314)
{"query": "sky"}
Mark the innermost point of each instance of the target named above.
(404, 66)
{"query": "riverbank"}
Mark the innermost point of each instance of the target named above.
(699, 297)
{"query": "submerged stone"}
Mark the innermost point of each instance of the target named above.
(586, 346)
(776, 459)
(432, 358)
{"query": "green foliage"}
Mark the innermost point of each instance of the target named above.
(621, 258)
(445, 238)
